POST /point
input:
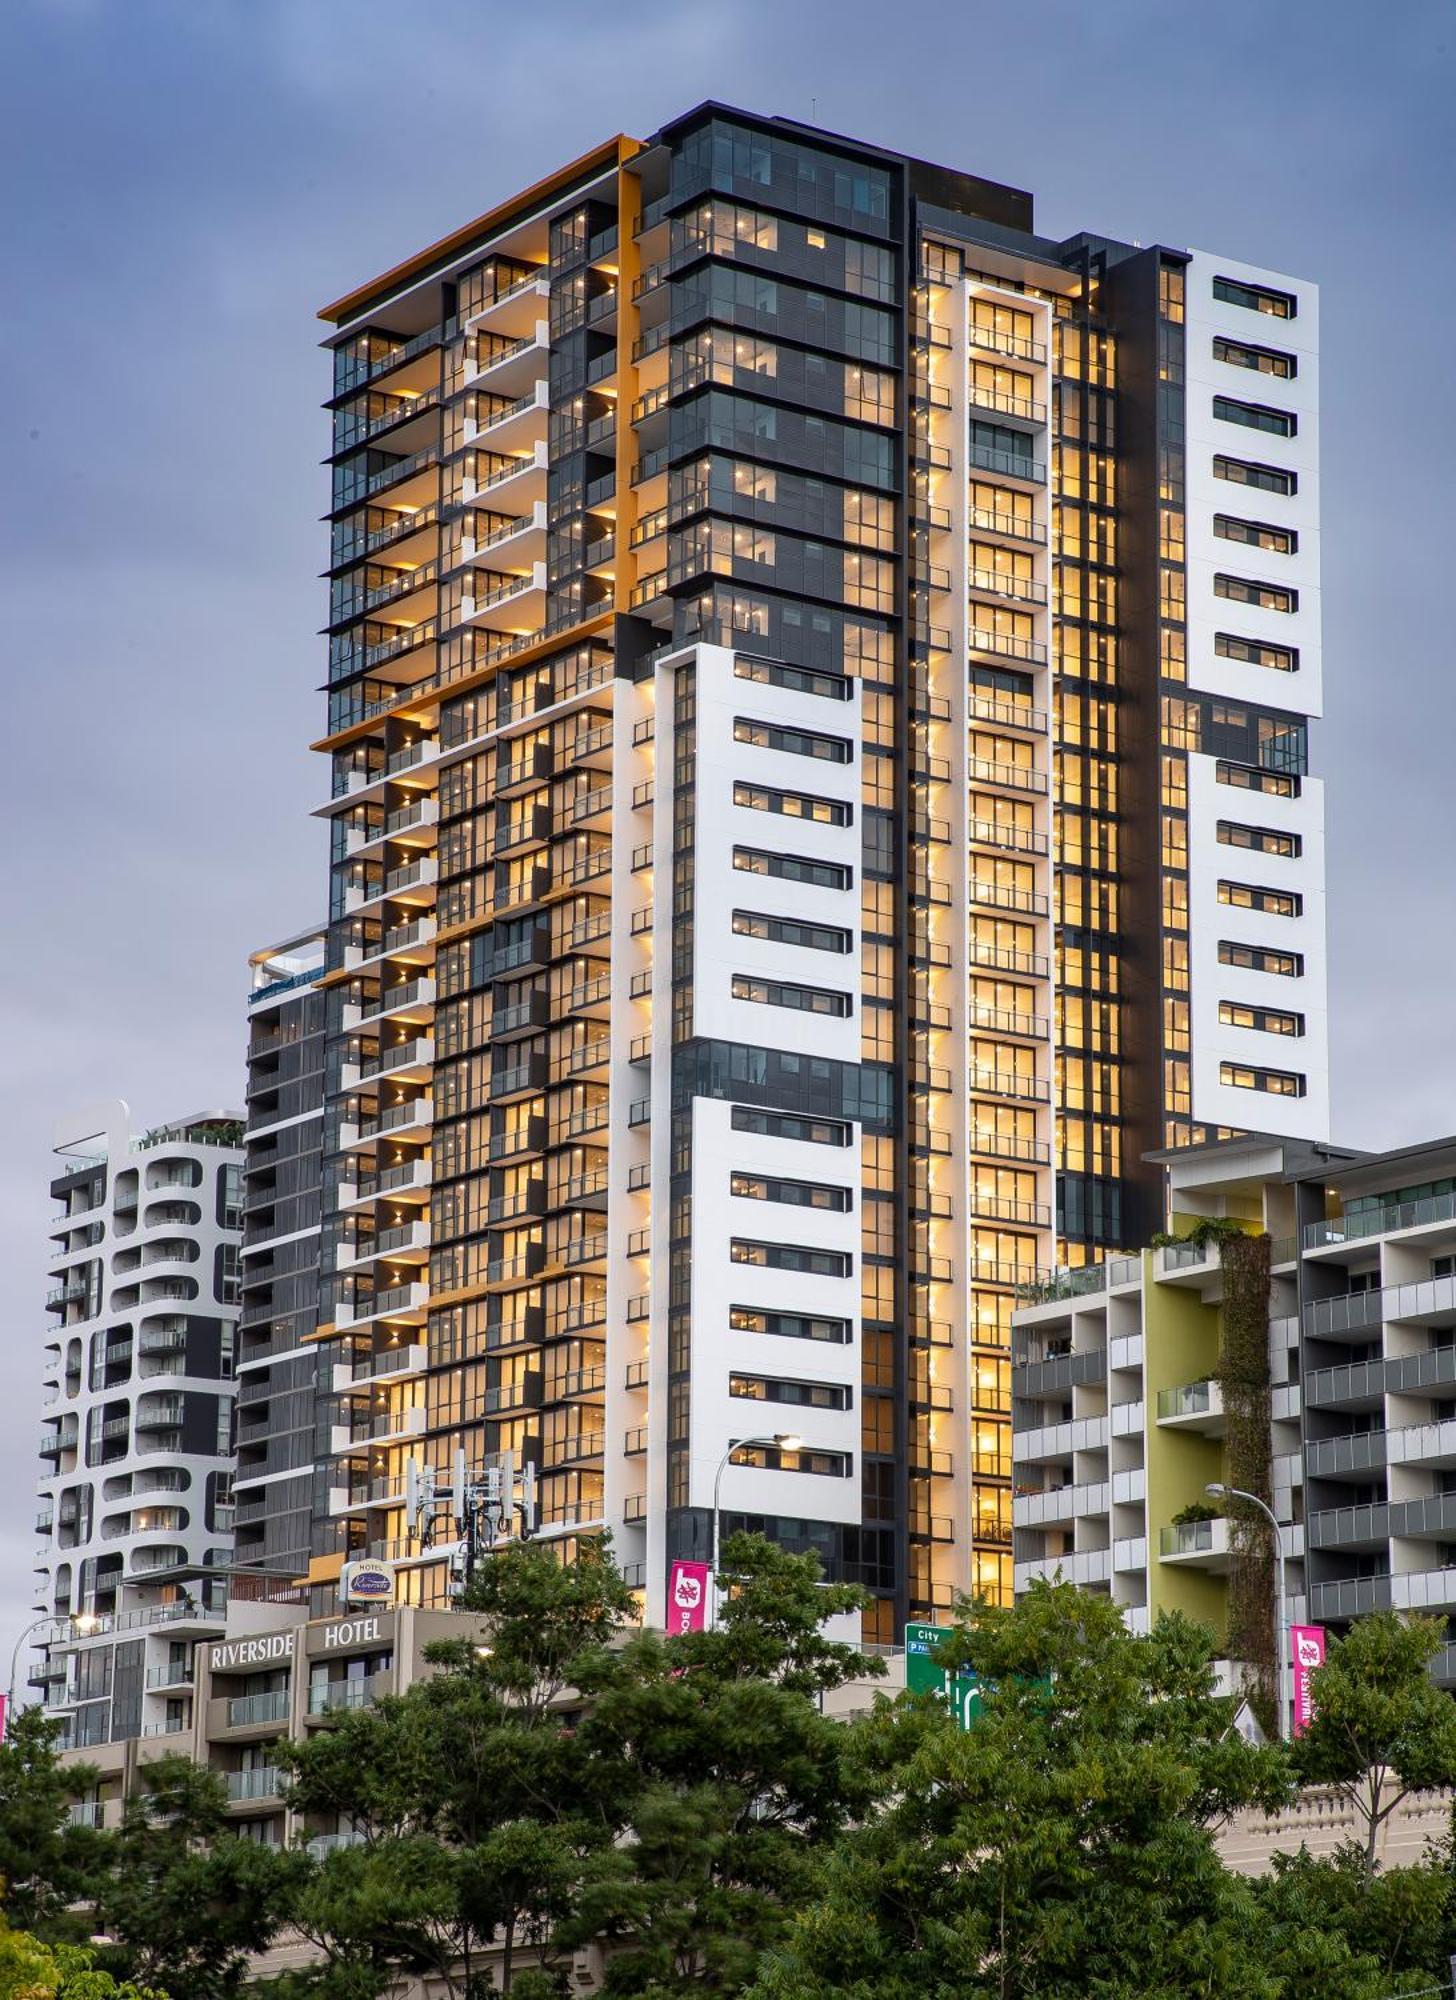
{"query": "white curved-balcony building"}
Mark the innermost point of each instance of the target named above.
(136, 1470)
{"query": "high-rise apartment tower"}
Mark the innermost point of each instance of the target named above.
(819, 683)
(136, 1451)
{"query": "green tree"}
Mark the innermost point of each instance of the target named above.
(742, 1784)
(475, 1805)
(46, 1864)
(30, 1969)
(184, 1900)
(1325, 1920)
(1063, 1846)
(1382, 1729)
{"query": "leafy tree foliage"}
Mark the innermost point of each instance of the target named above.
(45, 1862)
(183, 1901)
(30, 1969)
(683, 1811)
(1382, 1729)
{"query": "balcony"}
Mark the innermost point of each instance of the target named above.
(1007, 465)
(340, 1697)
(1371, 1526)
(265, 1782)
(1196, 1406)
(515, 311)
(1196, 1545)
(250, 1710)
(1381, 1222)
(513, 426)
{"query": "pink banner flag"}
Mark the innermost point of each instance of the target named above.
(687, 1597)
(1307, 1643)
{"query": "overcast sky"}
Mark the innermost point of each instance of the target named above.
(183, 185)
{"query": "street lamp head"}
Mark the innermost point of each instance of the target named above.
(788, 1440)
(1216, 1489)
(86, 1622)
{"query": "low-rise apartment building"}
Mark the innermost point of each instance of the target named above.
(1119, 1418)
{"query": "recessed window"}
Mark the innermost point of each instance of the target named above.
(1259, 839)
(1254, 653)
(1269, 902)
(1256, 534)
(793, 868)
(1248, 590)
(789, 1326)
(795, 742)
(1259, 958)
(1243, 472)
(773, 1458)
(1278, 784)
(791, 1125)
(1256, 416)
(791, 1257)
(800, 999)
(1266, 360)
(799, 680)
(1257, 298)
(1277, 1082)
(1263, 1020)
(794, 1194)
(790, 930)
(798, 1395)
(794, 805)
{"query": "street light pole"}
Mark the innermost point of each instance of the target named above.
(48, 1618)
(1221, 1492)
(785, 1441)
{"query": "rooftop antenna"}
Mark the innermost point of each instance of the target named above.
(813, 111)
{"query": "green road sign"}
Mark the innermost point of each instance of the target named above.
(922, 1676)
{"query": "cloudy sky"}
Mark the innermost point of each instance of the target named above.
(185, 181)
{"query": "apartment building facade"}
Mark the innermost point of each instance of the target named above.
(1378, 1272)
(136, 1453)
(276, 1441)
(817, 719)
(1119, 1417)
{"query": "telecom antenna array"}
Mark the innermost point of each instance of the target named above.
(477, 1512)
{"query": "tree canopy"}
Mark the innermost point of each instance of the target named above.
(570, 1801)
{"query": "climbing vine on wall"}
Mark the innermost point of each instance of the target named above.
(1244, 1373)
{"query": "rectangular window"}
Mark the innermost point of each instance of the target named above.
(1258, 958)
(794, 1194)
(800, 999)
(789, 930)
(789, 1326)
(789, 1125)
(800, 1395)
(1248, 590)
(1278, 784)
(1264, 1020)
(1256, 534)
(796, 742)
(1256, 416)
(794, 805)
(1277, 1082)
(799, 680)
(1259, 839)
(1257, 298)
(791, 1257)
(793, 868)
(1231, 646)
(1267, 360)
(1250, 896)
(1267, 478)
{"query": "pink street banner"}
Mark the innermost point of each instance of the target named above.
(1307, 1643)
(687, 1597)
(4, 1717)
